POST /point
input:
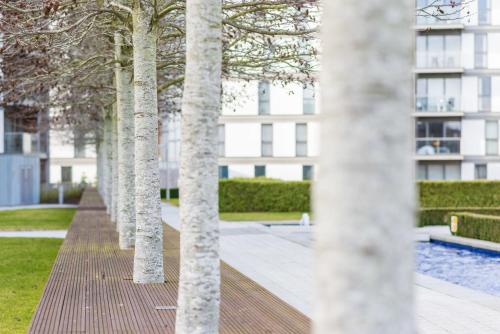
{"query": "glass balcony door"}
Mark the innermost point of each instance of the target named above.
(438, 51)
(438, 94)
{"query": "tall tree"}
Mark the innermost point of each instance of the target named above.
(364, 196)
(199, 282)
(148, 257)
(125, 127)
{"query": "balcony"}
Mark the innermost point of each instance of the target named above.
(426, 23)
(427, 106)
(438, 62)
(438, 148)
(22, 143)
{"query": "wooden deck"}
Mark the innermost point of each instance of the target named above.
(90, 288)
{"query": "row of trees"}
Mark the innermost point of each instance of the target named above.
(107, 66)
(115, 62)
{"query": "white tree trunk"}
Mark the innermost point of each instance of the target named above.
(99, 165)
(108, 159)
(114, 168)
(125, 119)
(148, 259)
(199, 283)
(364, 196)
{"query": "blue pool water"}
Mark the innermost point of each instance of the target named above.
(474, 269)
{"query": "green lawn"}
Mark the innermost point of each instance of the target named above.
(173, 201)
(25, 264)
(260, 216)
(36, 219)
(252, 216)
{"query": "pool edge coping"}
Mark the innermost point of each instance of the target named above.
(474, 243)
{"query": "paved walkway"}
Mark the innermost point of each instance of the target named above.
(38, 206)
(280, 258)
(90, 288)
(59, 234)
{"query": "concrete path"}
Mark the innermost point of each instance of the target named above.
(280, 258)
(59, 234)
(38, 206)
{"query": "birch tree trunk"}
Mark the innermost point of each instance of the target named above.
(114, 168)
(199, 283)
(148, 258)
(108, 158)
(125, 127)
(364, 195)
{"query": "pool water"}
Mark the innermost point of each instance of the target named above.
(468, 267)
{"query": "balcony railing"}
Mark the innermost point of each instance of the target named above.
(437, 104)
(21, 143)
(448, 20)
(438, 146)
(445, 59)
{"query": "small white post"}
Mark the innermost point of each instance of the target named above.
(305, 220)
(61, 193)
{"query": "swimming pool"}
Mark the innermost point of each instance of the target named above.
(468, 267)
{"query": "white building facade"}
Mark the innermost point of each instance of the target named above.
(457, 94)
(265, 130)
(72, 158)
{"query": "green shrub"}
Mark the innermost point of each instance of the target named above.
(71, 195)
(174, 193)
(264, 195)
(438, 216)
(459, 194)
(477, 226)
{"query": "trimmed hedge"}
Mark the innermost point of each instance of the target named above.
(438, 216)
(71, 196)
(264, 195)
(174, 193)
(477, 226)
(439, 198)
(459, 194)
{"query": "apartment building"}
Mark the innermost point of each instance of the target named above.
(457, 93)
(265, 130)
(23, 156)
(72, 157)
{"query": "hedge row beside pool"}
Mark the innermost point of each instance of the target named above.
(439, 198)
(438, 216)
(477, 226)
(459, 194)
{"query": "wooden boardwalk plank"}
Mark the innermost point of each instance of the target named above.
(90, 288)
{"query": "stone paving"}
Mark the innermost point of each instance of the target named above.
(280, 258)
(38, 206)
(59, 234)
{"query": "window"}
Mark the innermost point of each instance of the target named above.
(480, 172)
(301, 140)
(309, 100)
(491, 137)
(438, 137)
(267, 140)
(264, 98)
(484, 98)
(438, 51)
(260, 171)
(79, 144)
(221, 141)
(484, 11)
(307, 172)
(436, 171)
(223, 172)
(481, 50)
(438, 94)
(66, 174)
